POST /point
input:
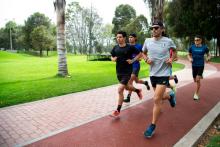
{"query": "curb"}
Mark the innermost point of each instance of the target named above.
(191, 138)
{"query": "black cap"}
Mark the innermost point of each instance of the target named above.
(157, 23)
(133, 35)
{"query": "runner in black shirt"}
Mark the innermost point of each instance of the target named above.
(122, 55)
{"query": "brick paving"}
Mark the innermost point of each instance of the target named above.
(36, 120)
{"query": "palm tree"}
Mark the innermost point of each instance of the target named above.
(59, 6)
(156, 8)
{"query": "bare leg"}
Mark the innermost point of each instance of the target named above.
(198, 84)
(158, 96)
(121, 94)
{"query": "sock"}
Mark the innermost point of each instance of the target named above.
(153, 125)
(128, 96)
(145, 82)
(119, 108)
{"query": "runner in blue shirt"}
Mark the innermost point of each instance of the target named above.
(196, 57)
(135, 66)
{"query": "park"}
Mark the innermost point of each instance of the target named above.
(59, 85)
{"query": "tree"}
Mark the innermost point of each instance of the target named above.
(4, 39)
(10, 28)
(83, 28)
(124, 14)
(59, 6)
(41, 39)
(106, 37)
(188, 18)
(35, 20)
(139, 26)
(156, 9)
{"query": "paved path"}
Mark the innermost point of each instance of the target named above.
(78, 115)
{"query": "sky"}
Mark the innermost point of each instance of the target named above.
(20, 10)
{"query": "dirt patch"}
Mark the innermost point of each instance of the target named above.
(213, 130)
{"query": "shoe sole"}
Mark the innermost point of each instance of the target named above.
(149, 136)
(113, 116)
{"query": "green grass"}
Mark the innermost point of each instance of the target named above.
(25, 78)
(216, 59)
(214, 141)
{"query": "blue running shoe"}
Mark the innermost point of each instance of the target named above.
(150, 131)
(172, 99)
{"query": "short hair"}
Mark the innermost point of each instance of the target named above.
(123, 33)
(133, 35)
(198, 36)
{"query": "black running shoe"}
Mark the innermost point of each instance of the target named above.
(127, 100)
(175, 79)
(147, 85)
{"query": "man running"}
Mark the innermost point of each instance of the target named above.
(122, 55)
(136, 66)
(196, 57)
(157, 54)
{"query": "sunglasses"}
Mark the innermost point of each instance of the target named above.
(197, 40)
(156, 28)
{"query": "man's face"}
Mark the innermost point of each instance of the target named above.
(120, 39)
(197, 41)
(156, 31)
(132, 39)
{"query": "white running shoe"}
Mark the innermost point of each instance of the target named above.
(195, 97)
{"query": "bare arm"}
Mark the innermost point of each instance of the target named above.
(189, 56)
(135, 59)
(208, 57)
(146, 58)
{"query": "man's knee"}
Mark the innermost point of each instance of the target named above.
(120, 90)
(157, 100)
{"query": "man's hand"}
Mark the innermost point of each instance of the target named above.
(169, 61)
(148, 61)
(114, 59)
(207, 59)
(191, 60)
(129, 61)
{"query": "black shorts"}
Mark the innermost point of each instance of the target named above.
(123, 79)
(135, 71)
(197, 71)
(159, 81)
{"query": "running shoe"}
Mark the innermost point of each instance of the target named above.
(139, 93)
(172, 99)
(196, 97)
(127, 100)
(147, 85)
(175, 79)
(115, 113)
(150, 131)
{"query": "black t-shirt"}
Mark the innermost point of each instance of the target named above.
(123, 54)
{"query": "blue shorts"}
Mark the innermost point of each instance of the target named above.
(135, 71)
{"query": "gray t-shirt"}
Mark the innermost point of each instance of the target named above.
(159, 51)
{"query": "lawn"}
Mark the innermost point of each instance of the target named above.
(26, 78)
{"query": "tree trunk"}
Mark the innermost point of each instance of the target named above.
(218, 47)
(61, 49)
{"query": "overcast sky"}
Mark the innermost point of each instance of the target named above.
(20, 10)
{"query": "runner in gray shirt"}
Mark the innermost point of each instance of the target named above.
(156, 53)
